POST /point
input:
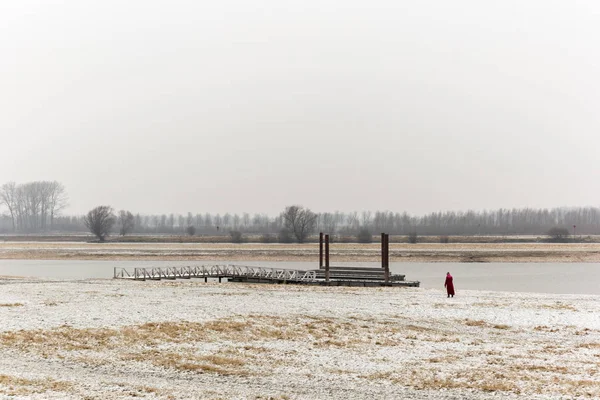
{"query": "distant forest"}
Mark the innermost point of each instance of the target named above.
(36, 207)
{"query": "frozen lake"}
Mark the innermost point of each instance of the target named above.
(575, 278)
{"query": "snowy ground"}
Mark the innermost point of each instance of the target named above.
(104, 339)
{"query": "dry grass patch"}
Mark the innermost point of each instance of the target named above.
(11, 304)
(139, 390)
(14, 386)
(589, 346)
(489, 304)
(541, 368)
(481, 379)
(418, 328)
(483, 324)
(444, 339)
(214, 364)
(544, 328)
(443, 359)
(470, 322)
(558, 306)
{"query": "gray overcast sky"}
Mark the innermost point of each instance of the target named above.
(229, 106)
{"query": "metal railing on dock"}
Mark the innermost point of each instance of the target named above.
(339, 276)
(214, 271)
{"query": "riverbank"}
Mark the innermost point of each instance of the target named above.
(86, 237)
(113, 339)
(340, 252)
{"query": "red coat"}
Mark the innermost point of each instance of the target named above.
(449, 285)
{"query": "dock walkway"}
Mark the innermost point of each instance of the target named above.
(338, 276)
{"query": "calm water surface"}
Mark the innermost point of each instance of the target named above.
(576, 278)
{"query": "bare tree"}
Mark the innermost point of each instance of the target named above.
(8, 197)
(328, 222)
(299, 221)
(100, 221)
(32, 205)
(126, 222)
(366, 218)
(353, 222)
(57, 200)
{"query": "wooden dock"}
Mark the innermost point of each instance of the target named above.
(338, 276)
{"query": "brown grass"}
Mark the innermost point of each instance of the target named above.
(470, 322)
(483, 324)
(11, 304)
(559, 306)
(146, 342)
(482, 379)
(542, 368)
(214, 364)
(249, 346)
(15, 386)
(589, 345)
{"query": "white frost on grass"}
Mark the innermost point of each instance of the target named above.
(189, 339)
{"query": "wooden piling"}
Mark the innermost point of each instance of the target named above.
(387, 259)
(320, 250)
(383, 250)
(326, 258)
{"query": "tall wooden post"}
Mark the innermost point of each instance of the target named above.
(387, 258)
(320, 250)
(383, 250)
(326, 258)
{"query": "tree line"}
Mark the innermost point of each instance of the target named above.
(522, 221)
(297, 223)
(37, 207)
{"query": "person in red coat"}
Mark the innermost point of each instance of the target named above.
(449, 285)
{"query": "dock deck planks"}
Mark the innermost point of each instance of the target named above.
(338, 276)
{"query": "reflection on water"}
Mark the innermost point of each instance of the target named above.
(577, 278)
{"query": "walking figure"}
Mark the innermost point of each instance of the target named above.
(449, 285)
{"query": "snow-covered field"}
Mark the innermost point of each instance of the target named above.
(105, 339)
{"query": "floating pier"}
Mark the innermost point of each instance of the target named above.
(326, 275)
(339, 276)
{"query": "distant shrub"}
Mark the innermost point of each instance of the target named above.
(236, 237)
(285, 236)
(444, 239)
(558, 234)
(191, 230)
(412, 237)
(268, 238)
(364, 236)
